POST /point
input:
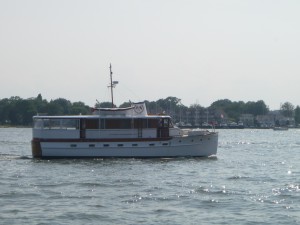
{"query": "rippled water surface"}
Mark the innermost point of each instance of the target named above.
(255, 179)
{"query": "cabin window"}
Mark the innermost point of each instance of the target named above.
(102, 123)
(153, 123)
(56, 123)
(69, 124)
(140, 123)
(52, 123)
(118, 124)
(92, 124)
(38, 123)
(171, 125)
(166, 122)
(95, 123)
(125, 124)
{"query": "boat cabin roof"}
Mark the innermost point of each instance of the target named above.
(137, 110)
(102, 117)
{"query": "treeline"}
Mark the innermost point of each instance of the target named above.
(218, 110)
(19, 112)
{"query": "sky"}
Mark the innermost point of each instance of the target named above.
(199, 51)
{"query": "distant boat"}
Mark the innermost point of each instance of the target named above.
(280, 128)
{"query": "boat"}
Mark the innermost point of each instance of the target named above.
(118, 132)
(280, 128)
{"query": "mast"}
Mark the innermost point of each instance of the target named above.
(111, 87)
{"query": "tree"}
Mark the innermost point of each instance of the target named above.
(287, 109)
(40, 104)
(27, 111)
(4, 111)
(79, 108)
(64, 105)
(231, 109)
(54, 109)
(223, 103)
(297, 115)
(125, 105)
(256, 108)
(103, 105)
(16, 110)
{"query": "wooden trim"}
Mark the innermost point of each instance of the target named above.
(36, 148)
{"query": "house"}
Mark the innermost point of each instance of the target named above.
(247, 120)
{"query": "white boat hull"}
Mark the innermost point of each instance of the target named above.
(189, 146)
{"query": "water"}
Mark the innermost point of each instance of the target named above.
(255, 179)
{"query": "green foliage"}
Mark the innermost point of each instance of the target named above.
(18, 111)
(80, 108)
(287, 109)
(234, 109)
(103, 105)
(297, 115)
(125, 105)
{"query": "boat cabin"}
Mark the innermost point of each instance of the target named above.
(104, 124)
(92, 127)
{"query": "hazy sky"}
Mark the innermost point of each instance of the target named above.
(197, 50)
